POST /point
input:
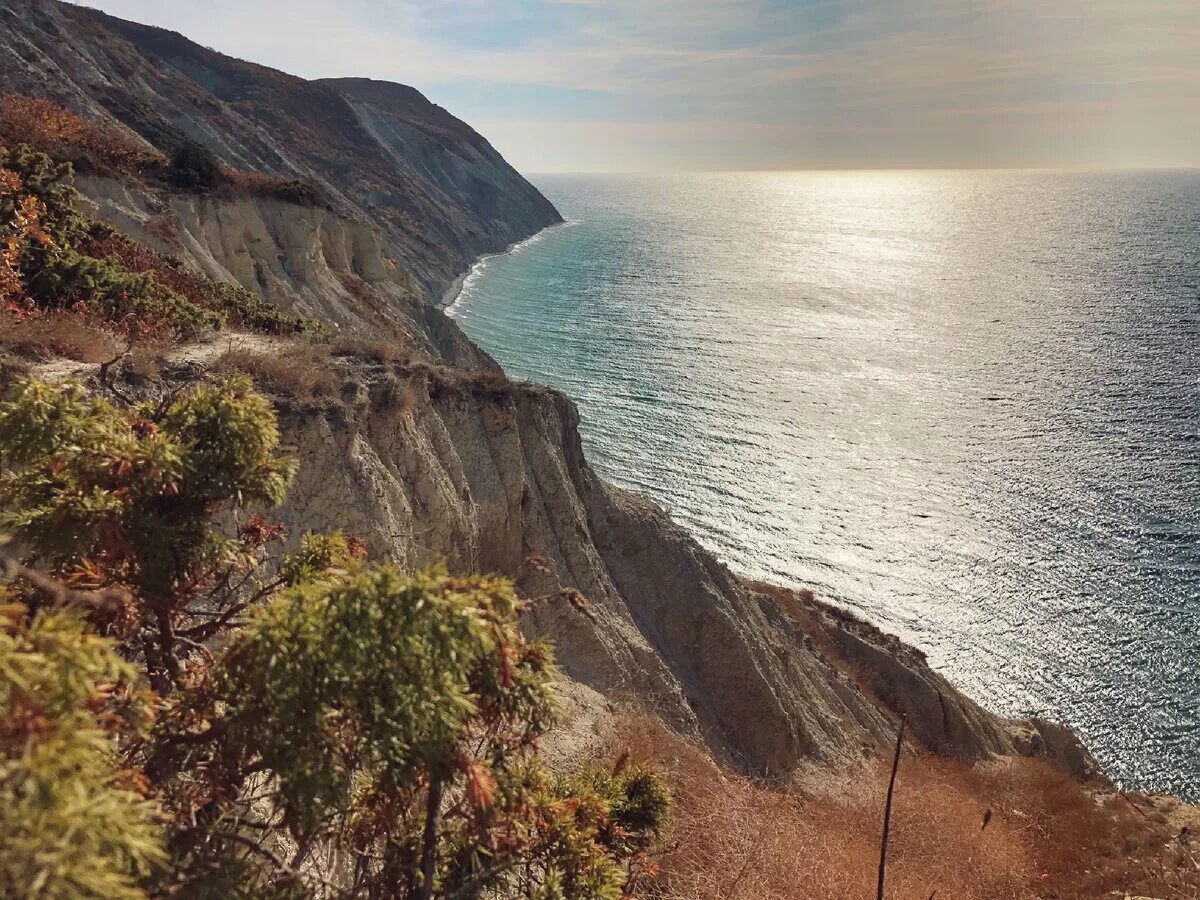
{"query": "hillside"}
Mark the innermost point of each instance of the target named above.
(381, 152)
(412, 440)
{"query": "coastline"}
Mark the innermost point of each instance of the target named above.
(452, 301)
(453, 294)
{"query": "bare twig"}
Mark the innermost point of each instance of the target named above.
(887, 809)
(470, 887)
(105, 381)
(257, 847)
(208, 629)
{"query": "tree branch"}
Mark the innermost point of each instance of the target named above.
(109, 600)
(429, 839)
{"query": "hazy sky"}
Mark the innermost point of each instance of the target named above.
(573, 85)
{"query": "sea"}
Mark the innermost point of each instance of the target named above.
(965, 405)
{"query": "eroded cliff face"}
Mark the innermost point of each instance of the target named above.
(308, 260)
(444, 458)
(489, 475)
(380, 152)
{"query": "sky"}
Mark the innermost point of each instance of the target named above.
(616, 85)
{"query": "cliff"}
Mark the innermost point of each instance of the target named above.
(426, 450)
(341, 272)
(434, 454)
(411, 437)
(430, 462)
(434, 463)
(381, 153)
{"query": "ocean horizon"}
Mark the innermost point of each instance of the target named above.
(963, 404)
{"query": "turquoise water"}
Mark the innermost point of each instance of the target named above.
(966, 405)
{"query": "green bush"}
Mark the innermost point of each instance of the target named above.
(251, 311)
(70, 823)
(306, 697)
(63, 261)
(194, 168)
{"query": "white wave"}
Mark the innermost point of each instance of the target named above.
(461, 288)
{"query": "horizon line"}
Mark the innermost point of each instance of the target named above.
(1182, 167)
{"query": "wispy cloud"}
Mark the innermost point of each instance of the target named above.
(758, 82)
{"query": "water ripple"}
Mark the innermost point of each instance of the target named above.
(966, 405)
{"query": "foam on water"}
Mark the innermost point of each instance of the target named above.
(467, 284)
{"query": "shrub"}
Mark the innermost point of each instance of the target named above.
(72, 823)
(251, 311)
(19, 228)
(229, 304)
(257, 184)
(40, 231)
(301, 193)
(51, 258)
(308, 699)
(194, 168)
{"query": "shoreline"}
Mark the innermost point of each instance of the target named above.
(453, 294)
(450, 304)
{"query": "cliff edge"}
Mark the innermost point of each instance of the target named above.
(429, 452)
(412, 438)
(380, 153)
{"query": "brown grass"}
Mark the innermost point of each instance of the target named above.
(399, 397)
(89, 145)
(380, 351)
(57, 334)
(258, 184)
(300, 372)
(734, 839)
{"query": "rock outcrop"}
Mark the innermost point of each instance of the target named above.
(488, 474)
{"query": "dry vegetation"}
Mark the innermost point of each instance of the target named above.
(733, 839)
(309, 371)
(89, 146)
(57, 334)
(112, 150)
(240, 182)
(379, 351)
(301, 373)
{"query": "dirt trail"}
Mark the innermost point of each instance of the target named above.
(198, 353)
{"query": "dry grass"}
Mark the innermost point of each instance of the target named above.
(484, 383)
(57, 335)
(258, 184)
(380, 351)
(399, 397)
(734, 839)
(300, 372)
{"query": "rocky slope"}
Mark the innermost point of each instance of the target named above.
(440, 194)
(438, 455)
(311, 261)
(430, 463)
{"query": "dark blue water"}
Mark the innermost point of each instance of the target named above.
(966, 405)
